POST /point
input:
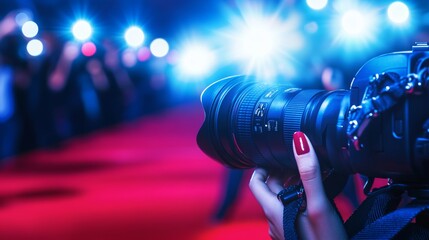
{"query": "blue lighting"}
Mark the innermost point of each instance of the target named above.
(196, 60)
(398, 12)
(317, 4)
(354, 23)
(134, 36)
(159, 47)
(35, 47)
(30, 29)
(82, 30)
(22, 17)
(356, 27)
(261, 42)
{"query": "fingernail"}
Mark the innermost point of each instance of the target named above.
(301, 144)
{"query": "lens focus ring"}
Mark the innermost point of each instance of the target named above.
(292, 116)
(244, 123)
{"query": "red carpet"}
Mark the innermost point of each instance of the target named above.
(142, 180)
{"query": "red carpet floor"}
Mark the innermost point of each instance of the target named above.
(141, 180)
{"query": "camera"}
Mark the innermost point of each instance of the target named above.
(378, 127)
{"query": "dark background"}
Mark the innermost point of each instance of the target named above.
(121, 162)
(156, 84)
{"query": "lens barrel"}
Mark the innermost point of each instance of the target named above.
(250, 123)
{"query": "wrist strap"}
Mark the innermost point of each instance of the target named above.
(292, 198)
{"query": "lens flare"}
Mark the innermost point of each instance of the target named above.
(196, 60)
(262, 42)
(71, 50)
(134, 36)
(257, 41)
(355, 26)
(35, 47)
(82, 30)
(23, 16)
(30, 29)
(129, 58)
(143, 54)
(317, 4)
(159, 47)
(88, 49)
(398, 12)
(353, 22)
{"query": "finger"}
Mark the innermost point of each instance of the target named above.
(304, 227)
(259, 188)
(319, 211)
(275, 184)
(268, 200)
(308, 167)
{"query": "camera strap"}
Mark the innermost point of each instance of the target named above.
(390, 225)
(294, 202)
(379, 217)
(376, 205)
(292, 198)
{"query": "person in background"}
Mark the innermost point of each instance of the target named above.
(231, 190)
(10, 121)
(9, 126)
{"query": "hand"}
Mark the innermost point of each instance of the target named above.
(319, 220)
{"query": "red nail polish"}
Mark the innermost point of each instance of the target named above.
(301, 144)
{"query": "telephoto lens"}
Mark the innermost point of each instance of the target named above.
(379, 127)
(250, 123)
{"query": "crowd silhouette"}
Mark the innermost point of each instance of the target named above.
(64, 92)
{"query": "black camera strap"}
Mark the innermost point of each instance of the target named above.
(379, 217)
(292, 198)
(390, 225)
(294, 202)
(290, 214)
(376, 205)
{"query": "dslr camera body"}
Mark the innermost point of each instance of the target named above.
(379, 127)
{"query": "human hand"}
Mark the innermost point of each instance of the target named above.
(319, 220)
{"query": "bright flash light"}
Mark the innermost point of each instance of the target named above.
(398, 12)
(262, 43)
(35, 47)
(257, 41)
(353, 22)
(196, 60)
(355, 26)
(317, 4)
(30, 29)
(159, 47)
(82, 30)
(134, 36)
